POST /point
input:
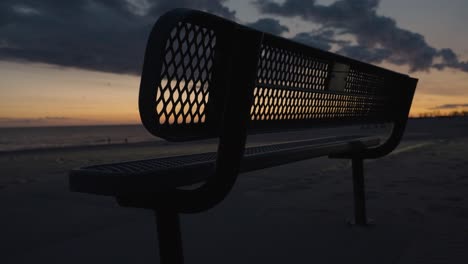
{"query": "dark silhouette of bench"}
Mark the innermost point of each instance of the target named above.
(207, 77)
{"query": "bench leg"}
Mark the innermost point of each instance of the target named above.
(169, 236)
(359, 192)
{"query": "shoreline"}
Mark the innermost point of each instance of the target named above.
(155, 142)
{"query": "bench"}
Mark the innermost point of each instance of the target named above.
(206, 77)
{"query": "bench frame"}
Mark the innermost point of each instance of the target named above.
(230, 123)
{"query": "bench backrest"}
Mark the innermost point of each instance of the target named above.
(192, 64)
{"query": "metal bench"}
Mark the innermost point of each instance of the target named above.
(207, 77)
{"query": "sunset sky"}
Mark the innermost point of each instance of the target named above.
(78, 62)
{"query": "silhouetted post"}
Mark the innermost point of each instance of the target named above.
(169, 236)
(359, 193)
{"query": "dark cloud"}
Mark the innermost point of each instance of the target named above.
(269, 25)
(213, 6)
(362, 53)
(450, 59)
(378, 37)
(322, 39)
(449, 106)
(103, 35)
(313, 40)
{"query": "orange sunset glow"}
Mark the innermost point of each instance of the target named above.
(36, 90)
(46, 95)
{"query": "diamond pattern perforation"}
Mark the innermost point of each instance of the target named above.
(282, 104)
(183, 93)
(363, 83)
(293, 86)
(286, 68)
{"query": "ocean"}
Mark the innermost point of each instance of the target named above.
(12, 139)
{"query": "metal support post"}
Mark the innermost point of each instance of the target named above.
(359, 192)
(169, 236)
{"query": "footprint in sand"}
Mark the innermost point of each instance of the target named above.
(338, 195)
(461, 212)
(402, 193)
(424, 198)
(457, 211)
(371, 195)
(21, 181)
(454, 198)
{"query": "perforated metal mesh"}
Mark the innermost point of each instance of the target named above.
(294, 86)
(282, 67)
(144, 166)
(176, 162)
(360, 82)
(282, 104)
(183, 93)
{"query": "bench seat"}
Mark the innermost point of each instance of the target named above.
(153, 175)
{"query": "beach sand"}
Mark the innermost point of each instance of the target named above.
(296, 213)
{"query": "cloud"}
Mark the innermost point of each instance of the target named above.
(451, 60)
(449, 106)
(269, 25)
(110, 35)
(378, 37)
(102, 35)
(322, 39)
(312, 40)
(362, 53)
(212, 6)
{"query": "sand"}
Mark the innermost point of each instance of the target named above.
(295, 213)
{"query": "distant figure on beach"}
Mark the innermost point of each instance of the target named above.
(126, 140)
(108, 140)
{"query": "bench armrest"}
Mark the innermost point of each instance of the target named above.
(234, 52)
(402, 108)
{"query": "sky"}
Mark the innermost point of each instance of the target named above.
(78, 62)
